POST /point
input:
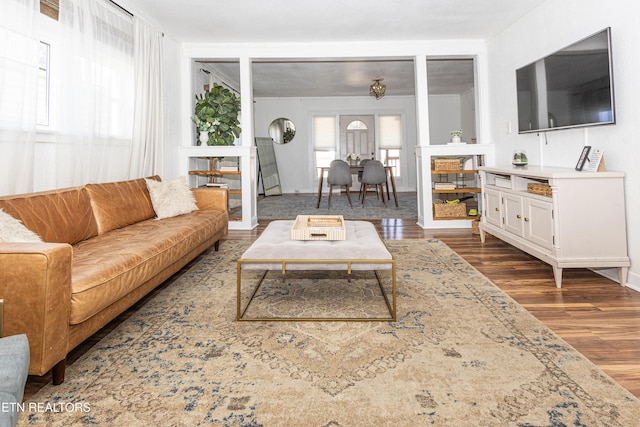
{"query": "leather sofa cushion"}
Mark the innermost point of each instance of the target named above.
(59, 216)
(118, 204)
(109, 266)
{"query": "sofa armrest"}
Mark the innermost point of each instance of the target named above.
(212, 198)
(35, 283)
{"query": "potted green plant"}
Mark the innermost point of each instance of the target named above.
(216, 113)
(455, 135)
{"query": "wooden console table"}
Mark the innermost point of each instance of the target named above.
(565, 218)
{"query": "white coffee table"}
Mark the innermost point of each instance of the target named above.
(363, 250)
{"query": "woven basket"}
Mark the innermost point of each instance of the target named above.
(542, 189)
(445, 164)
(475, 226)
(445, 210)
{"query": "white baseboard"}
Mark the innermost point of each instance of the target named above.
(633, 279)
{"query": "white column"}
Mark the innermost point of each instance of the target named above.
(249, 162)
(423, 167)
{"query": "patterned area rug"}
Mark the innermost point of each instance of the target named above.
(461, 353)
(288, 206)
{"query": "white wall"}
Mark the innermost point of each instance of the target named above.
(295, 159)
(552, 26)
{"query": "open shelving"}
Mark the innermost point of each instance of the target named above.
(235, 193)
(473, 155)
(235, 172)
(460, 180)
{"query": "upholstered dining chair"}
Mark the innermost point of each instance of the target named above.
(363, 162)
(374, 174)
(339, 175)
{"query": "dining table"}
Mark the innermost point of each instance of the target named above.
(355, 169)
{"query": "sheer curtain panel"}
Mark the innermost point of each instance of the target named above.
(18, 94)
(96, 85)
(146, 149)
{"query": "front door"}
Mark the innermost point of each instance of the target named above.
(357, 135)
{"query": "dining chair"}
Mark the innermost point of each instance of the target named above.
(374, 174)
(363, 162)
(339, 175)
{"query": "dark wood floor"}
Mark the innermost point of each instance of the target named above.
(597, 316)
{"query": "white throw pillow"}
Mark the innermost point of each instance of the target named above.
(13, 231)
(171, 198)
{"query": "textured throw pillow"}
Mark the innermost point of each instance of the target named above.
(13, 231)
(171, 198)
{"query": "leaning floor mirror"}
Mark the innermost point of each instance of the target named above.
(268, 167)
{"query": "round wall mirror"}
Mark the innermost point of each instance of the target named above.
(282, 130)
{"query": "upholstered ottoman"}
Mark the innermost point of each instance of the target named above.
(361, 250)
(14, 367)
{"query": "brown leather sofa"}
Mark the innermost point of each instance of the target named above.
(104, 251)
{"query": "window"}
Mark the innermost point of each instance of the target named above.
(43, 84)
(46, 70)
(324, 140)
(357, 125)
(391, 137)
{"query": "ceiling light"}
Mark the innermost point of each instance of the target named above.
(377, 89)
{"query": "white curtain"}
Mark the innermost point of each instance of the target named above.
(146, 149)
(18, 94)
(95, 106)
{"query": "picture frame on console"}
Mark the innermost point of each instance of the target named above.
(583, 157)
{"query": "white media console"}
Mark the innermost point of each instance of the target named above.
(566, 218)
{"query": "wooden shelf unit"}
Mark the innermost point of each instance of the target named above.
(474, 155)
(457, 190)
(455, 218)
(222, 174)
(454, 171)
(214, 173)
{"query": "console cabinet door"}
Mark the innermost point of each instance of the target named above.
(493, 211)
(538, 222)
(513, 213)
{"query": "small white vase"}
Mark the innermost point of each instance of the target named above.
(204, 137)
(455, 139)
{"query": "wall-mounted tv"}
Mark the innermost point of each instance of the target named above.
(572, 87)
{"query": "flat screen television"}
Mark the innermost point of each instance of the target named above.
(572, 87)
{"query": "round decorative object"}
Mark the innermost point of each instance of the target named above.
(204, 137)
(455, 139)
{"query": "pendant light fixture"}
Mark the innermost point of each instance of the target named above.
(377, 89)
